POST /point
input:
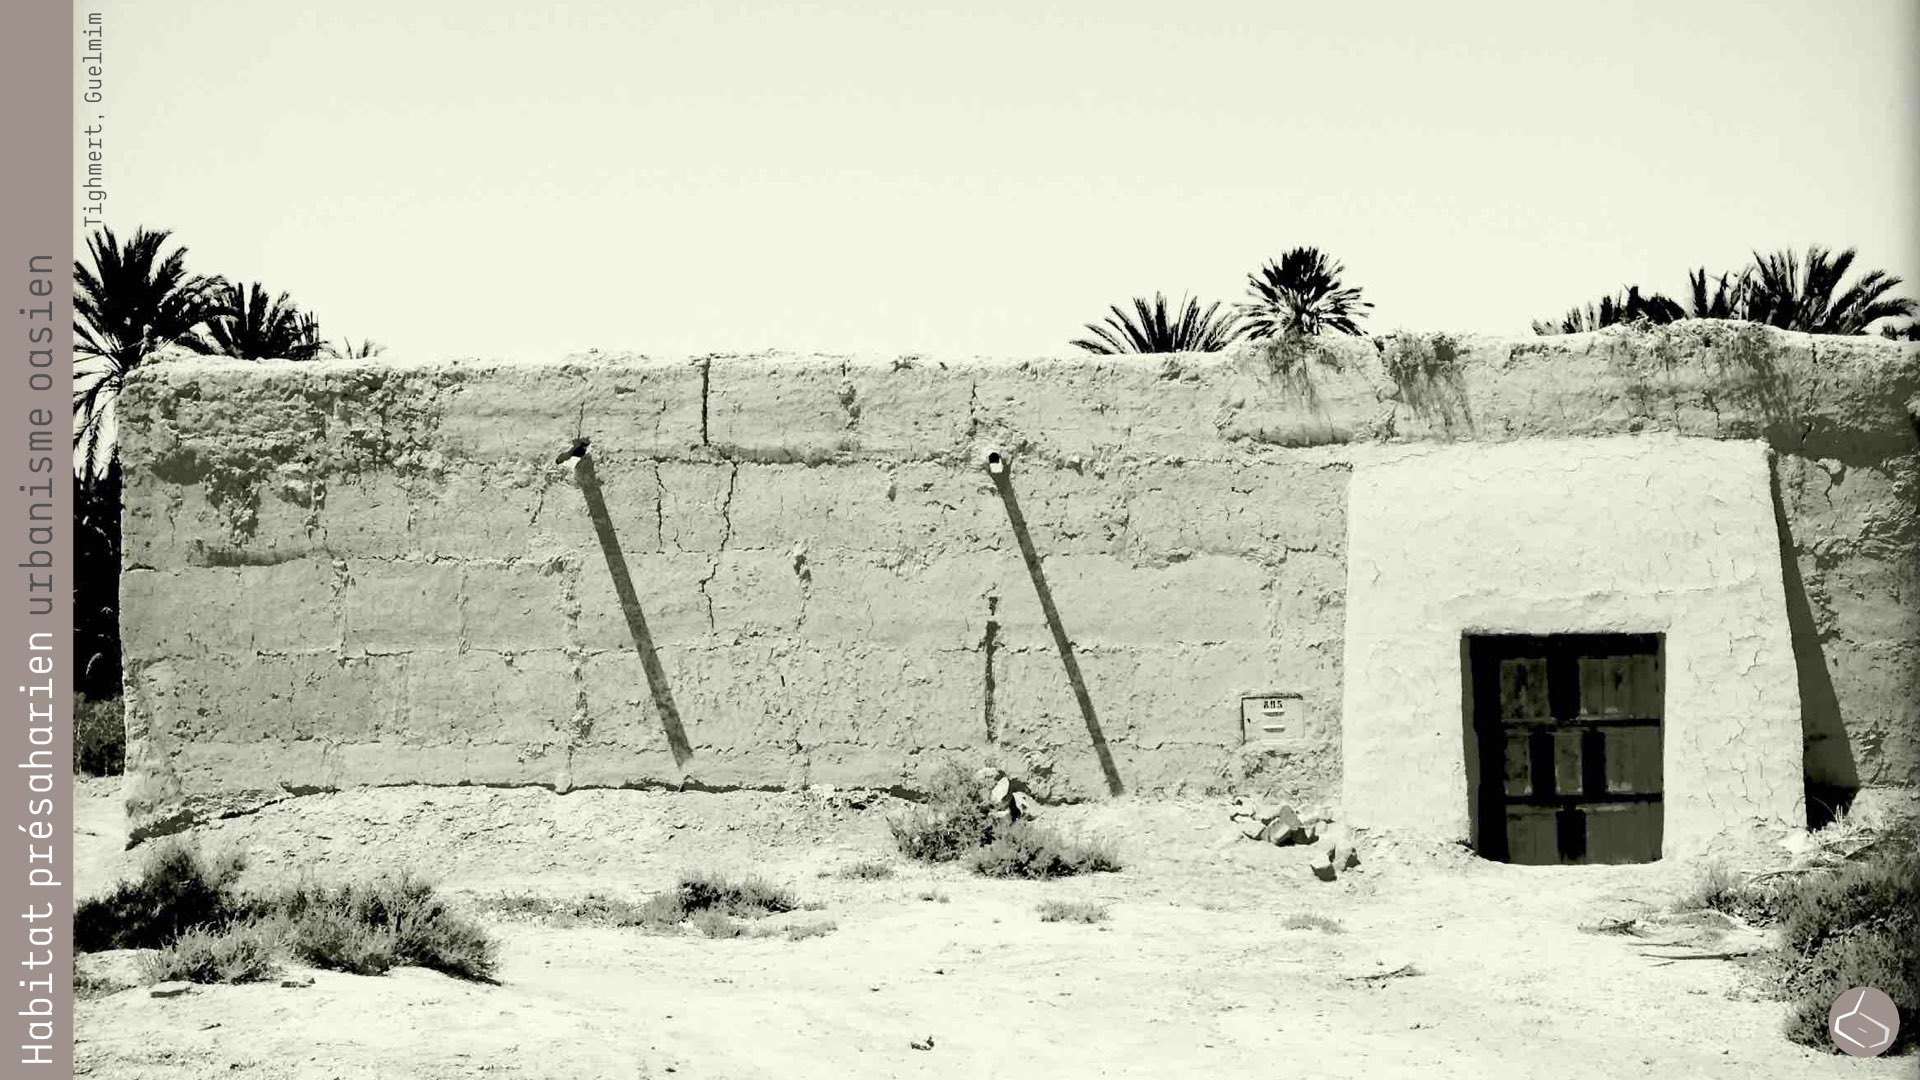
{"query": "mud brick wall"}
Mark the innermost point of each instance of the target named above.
(374, 572)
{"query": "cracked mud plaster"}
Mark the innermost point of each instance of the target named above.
(371, 572)
(1635, 534)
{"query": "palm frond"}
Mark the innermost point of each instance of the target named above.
(1808, 295)
(1302, 294)
(1150, 328)
(248, 324)
(129, 302)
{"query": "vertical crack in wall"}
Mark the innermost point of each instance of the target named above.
(989, 644)
(720, 550)
(706, 393)
(580, 723)
(660, 507)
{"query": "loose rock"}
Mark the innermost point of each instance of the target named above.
(1285, 828)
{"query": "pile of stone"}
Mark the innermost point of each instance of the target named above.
(1007, 797)
(1280, 825)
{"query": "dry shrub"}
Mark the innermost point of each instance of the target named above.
(177, 890)
(188, 906)
(958, 824)
(954, 821)
(392, 921)
(1856, 926)
(1026, 850)
(244, 953)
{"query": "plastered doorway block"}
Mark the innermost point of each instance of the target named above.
(1665, 535)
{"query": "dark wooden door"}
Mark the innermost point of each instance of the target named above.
(1568, 733)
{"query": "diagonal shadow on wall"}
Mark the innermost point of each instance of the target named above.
(1000, 469)
(630, 607)
(1832, 776)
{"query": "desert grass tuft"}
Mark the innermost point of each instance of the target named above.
(867, 870)
(1079, 911)
(1716, 888)
(1307, 920)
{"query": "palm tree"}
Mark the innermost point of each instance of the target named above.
(247, 325)
(130, 304)
(1728, 300)
(347, 350)
(1807, 296)
(1302, 295)
(1149, 329)
(1778, 290)
(96, 585)
(1629, 307)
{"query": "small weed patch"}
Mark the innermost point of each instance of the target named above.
(1080, 911)
(867, 870)
(1306, 920)
(1717, 889)
(803, 931)
(592, 910)
(935, 896)
(712, 923)
(710, 903)
(88, 987)
(749, 897)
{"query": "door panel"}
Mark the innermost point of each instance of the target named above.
(1569, 731)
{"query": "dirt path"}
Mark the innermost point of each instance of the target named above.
(1193, 973)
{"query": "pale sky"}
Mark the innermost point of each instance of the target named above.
(466, 178)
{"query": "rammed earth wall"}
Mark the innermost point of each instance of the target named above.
(370, 572)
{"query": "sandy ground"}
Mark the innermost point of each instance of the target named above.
(1193, 974)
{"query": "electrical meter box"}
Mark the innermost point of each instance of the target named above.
(1276, 717)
